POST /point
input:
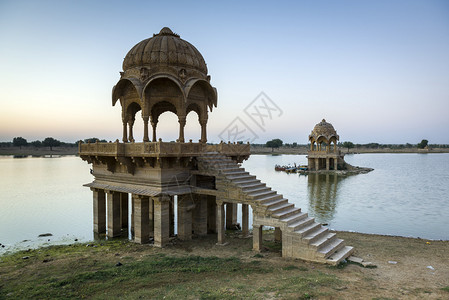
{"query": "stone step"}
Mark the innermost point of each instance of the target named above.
(239, 178)
(301, 223)
(340, 255)
(231, 172)
(269, 198)
(248, 183)
(324, 240)
(261, 194)
(232, 168)
(287, 212)
(308, 229)
(316, 235)
(294, 218)
(328, 249)
(281, 207)
(256, 188)
(275, 202)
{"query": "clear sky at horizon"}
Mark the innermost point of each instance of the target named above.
(377, 70)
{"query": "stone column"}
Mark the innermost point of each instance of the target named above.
(231, 215)
(203, 124)
(211, 215)
(199, 225)
(141, 220)
(130, 135)
(317, 164)
(220, 222)
(277, 234)
(114, 221)
(151, 216)
(161, 221)
(245, 214)
(327, 164)
(336, 164)
(145, 129)
(125, 134)
(154, 125)
(99, 205)
(171, 206)
(257, 238)
(132, 214)
(182, 124)
(185, 206)
(124, 211)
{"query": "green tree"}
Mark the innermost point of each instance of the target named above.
(51, 142)
(36, 144)
(276, 143)
(19, 142)
(423, 144)
(348, 145)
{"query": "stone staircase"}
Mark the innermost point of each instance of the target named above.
(302, 237)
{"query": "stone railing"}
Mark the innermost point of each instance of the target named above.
(158, 149)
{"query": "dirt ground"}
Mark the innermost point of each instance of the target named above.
(407, 268)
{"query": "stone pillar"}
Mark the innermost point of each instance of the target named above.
(231, 215)
(203, 124)
(336, 164)
(327, 164)
(245, 214)
(99, 205)
(185, 206)
(125, 134)
(154, 125)
(257, 238)
(114, 221)
(151, 216)
(124, 211)
(211, 215)
(277, 234)
(200, 215)
(182, 124)
(161, 221)
(220, 222)
(317, 164)
(130, 135)
(132, 214)
(171, 206)
(141, 220)
(145, 129)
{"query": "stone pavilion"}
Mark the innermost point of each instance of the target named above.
(205, 183)
(324, 153)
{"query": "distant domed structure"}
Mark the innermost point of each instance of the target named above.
(324, 153)
(164, 73)
(325, 132)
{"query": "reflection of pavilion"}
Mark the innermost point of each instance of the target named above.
(323, 153)
(323, 190)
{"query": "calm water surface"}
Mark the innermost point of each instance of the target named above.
(406, 194)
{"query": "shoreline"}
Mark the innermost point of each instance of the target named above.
(32, 151)
(404, 268)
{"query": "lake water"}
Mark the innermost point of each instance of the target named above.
(406, 195)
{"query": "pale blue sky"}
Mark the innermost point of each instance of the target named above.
(377, 70)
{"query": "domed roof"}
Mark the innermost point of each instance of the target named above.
(323, 129)
(165, 49)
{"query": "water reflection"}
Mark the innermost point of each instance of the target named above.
(323, 191)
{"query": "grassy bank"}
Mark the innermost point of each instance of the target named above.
(199, 269)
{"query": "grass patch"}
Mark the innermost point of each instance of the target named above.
(446, 288)
(80, 271)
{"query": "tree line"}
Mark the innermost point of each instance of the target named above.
(276, 143)
(47, 142)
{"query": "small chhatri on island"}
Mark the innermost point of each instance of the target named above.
(165, 73)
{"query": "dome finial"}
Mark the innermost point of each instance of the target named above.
(166, 31)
